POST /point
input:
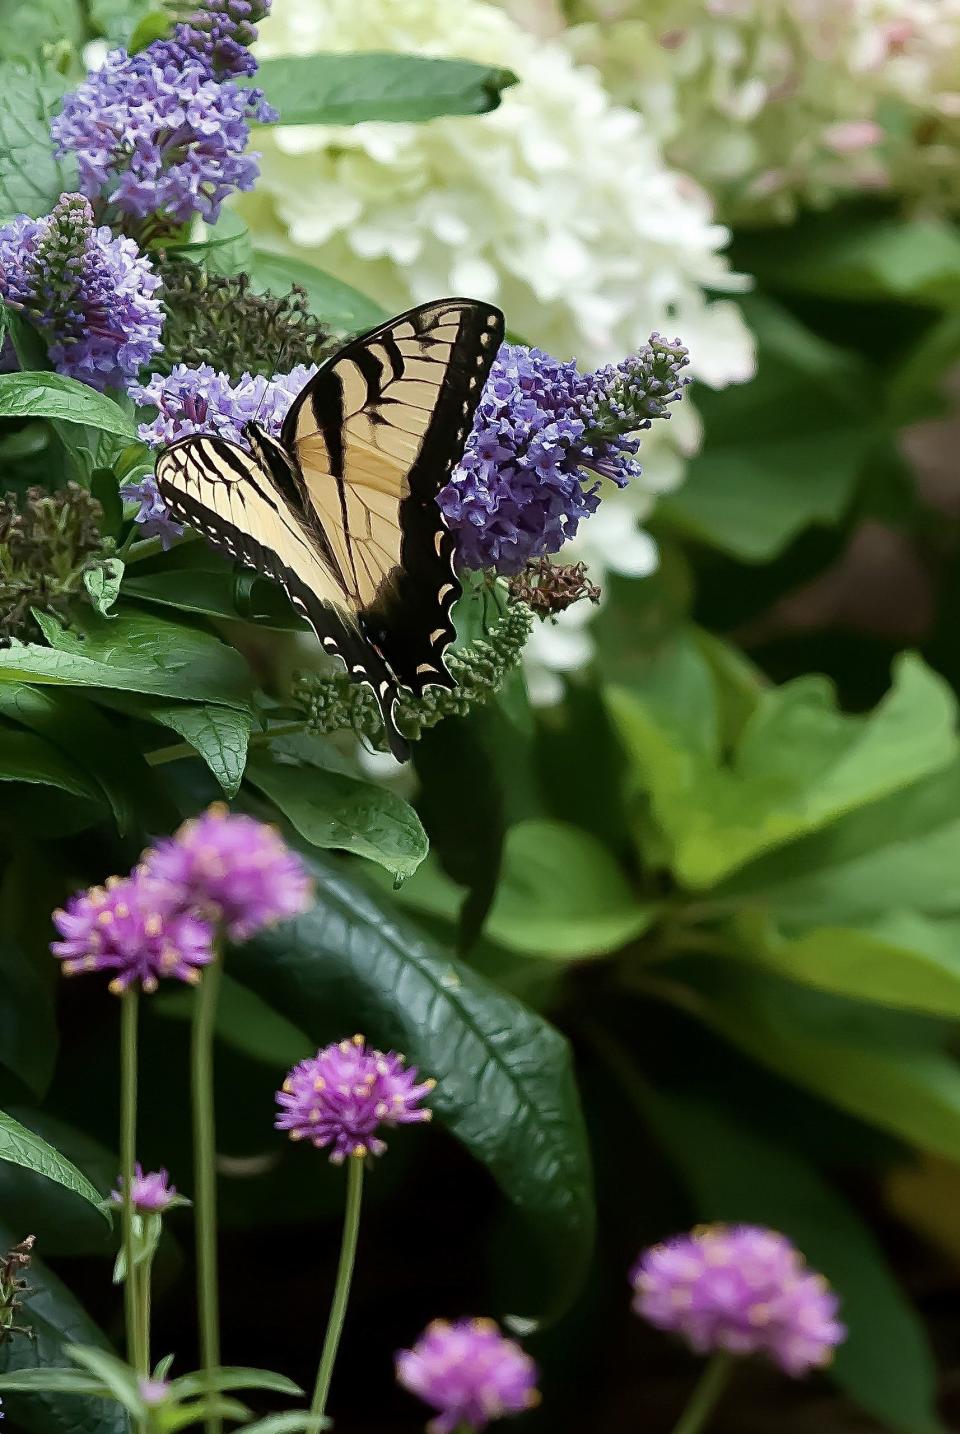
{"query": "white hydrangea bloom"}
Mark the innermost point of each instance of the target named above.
(775, 103)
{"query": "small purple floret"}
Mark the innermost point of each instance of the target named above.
(153, 1392)
(742, 1289)
(203, 400)
(135, 929)
(469, 1372)
(220, 34)
(91, 295)
(151, 1192)
(343, 1095)
(153, 516)
(233, 870)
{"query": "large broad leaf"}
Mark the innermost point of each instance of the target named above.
(339, 305)
(133, 652)
(737, 1175)
(219, 735)
(889, 1068)
(901, 959)
(57, 1320)
(23, 1147)
(350, 88)
(66, 400)
(30, 1201)
(25, 757)
(505, 1086)
(31, 178)
(870, 257)
(214, 590)
(800, 764)
(782, 452)
(333, 810)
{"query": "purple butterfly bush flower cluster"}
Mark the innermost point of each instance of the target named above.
(151, 1193)
(91, 295)
(469, 1372)
(741, 1289)
(220, 870)
(162, 135)
(343, 1095)
(542, 434)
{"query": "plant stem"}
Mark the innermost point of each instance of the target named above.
(179, 750)
(708, 1390)
(128, 1148)
(341, 1292)
(205, 1173)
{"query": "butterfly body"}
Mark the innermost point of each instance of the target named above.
(342, 509)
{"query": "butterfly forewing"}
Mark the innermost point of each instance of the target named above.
(375, 435)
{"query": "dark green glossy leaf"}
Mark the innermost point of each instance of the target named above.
(62, 1224)
(505, 1084)
(31, 178)
(24, 1147)
(135, 652)
(24, 757)
(214, 592)
(350, 88)
(102, 584)
(225, 247)
(54, 396)
(339, 305)
(734, 1175)
(333, 810)
(218, 734)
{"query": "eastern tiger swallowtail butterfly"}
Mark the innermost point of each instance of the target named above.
(342, 511)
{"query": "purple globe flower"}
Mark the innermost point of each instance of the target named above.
(344, 1094)
(743, 1289)
(91, 295)
(541, 434)
(469, 1372)
(131, 927)
(157, 134)
(202, 400)
(151, 1192)
(233, 870)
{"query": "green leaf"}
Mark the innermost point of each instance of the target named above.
(54, 396)
(31, 178)
(25, 757)
(294, 1421)
(901, 959)
(913, 261)
(244, 1023)
(340, 306)
(57, 1319)
(736, 1175)
(62, 1224)
(218, 734)
(155, 25)
(563, 895)
(52, 1381)
(884, 1066)
(800, 764)
(230, 1378)
(22, 1147)
(34, 30)
(782, 452)
(350, 88)
(116, 20)
(134, 652)
(103, 584)
(332, 810)
(116, 1376)
(223, 247)
(505, 1085)
(28, 1024)
(213, 592)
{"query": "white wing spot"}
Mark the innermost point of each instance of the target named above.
(437, 633)
(447, 588)
(425, 667)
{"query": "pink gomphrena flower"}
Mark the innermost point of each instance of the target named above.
(151, 1192)
(743, 1289)
(469, 1372)
(131, 927)
(233, 870)
(343, 1095)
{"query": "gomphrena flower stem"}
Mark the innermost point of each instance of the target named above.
(706, 1395)
(341, 1291)
(128, 1146)
(205, 1175)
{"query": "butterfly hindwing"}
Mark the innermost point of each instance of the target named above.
(375, 435)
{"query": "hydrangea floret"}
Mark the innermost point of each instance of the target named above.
(341, 1097)
(740, 1289)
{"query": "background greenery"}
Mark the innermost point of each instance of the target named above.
(721, 880)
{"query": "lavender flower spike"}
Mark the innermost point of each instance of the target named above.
(343, 1095)
(151, 1192)
(152, 517)
(234, 870)
(742, 1289)
(132, 928)
(221, 33)
(92, 296)
(470, 1373)
(202, 400)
